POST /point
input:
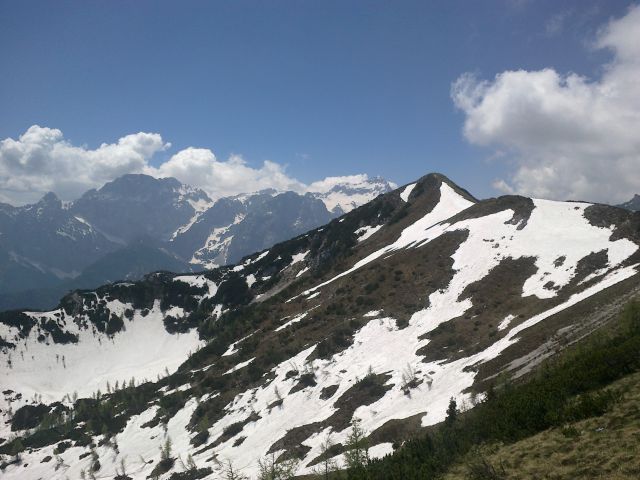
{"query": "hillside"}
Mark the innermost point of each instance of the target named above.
(422, 295)
(603, 446)
(51, 247)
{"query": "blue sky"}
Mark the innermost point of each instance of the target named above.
(321, 87)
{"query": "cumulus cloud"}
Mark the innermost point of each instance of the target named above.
(42, 160)
(199, 167)
(568, 136)
(328, 183)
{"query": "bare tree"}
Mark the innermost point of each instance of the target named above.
(328, 465)
(272, 470)
(229, 472)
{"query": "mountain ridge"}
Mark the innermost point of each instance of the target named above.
(443, 294)
(633, 204)
(188, 224)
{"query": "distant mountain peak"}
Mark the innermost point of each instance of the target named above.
(50, 198)
(343, 194)
(633, 204)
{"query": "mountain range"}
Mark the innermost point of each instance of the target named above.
(137, 224)
(379, 318)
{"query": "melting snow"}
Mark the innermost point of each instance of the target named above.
(144, 351)
(295, 319)
(407, 191)
(298, 257)
(365, 232)
(239, 366)
(505, 323)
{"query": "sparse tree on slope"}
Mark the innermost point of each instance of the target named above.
(229, 472)
(328, 465)
(356, 454)
(272, 470)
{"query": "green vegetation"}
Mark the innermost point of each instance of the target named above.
(604, 446)
(102, 415)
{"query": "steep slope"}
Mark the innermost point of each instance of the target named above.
(43, 243)
(259, 222)
(384, 314)
(236, 226)
(633, 204)
(132, 206)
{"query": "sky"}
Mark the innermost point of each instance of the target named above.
(538, 98)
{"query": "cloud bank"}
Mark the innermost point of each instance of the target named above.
(568, 137)
(199, 167)
(42, 160)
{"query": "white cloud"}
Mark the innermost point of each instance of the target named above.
(41, 160)
(569, 136)
(200, 168)
(328, 183)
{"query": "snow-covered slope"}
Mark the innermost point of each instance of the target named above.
(95, 361)
(382, 315)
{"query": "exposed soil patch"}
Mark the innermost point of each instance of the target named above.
(494, 297)
(521, 206)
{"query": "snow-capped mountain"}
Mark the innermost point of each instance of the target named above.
(343, 194)
(45, 248)
(234, 227)
(383, 314)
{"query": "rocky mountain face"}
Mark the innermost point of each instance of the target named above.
(383, 315)
(633, 204)
(44, 242)
(135, 206)
(233, 227)
(45, 248)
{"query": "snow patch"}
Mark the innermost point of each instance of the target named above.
(239, 366)
(365, 232)
(404, 195)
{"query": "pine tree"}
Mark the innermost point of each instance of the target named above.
(452, 412)
(356, 454)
